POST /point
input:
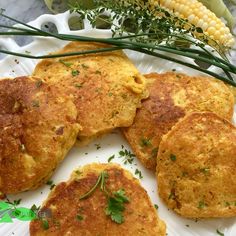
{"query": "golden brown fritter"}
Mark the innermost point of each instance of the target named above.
(87, 217)
(107, 88)
(37, 128)
(172, 96)
(196, 167)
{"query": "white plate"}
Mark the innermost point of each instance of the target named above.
(110, 144)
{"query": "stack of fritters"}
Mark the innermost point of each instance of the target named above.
(40, 118)
(182, 130)
(172, 96)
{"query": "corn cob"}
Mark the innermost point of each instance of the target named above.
(197, 14)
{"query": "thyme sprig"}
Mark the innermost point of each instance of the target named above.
(133, 42)
(138, 16)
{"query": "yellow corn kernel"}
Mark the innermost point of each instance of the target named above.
(197, 14)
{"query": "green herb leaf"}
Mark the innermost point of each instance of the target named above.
(111, 158)
(79, 217)
(172, 157)
(65, 63)
(205, 170)
(120, 195)
(98, 146)
(78, 85)
(139, 173)
(49, 182)
(154, 152)
(52, 186)
(86, 195)
(38, 83)
(116, 207)
(145, 142)
(220, 233)
(45, 224)
(201, 205)
(75, 72)
(156, 206)
(84, 66)
(127, 156)
(78, 172)
(35, 103)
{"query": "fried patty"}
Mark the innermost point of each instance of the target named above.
(196, 167)
(107, 88)
(172, 96)
(87, 217)
(37, 128)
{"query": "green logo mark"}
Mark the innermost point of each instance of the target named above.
(9, 211)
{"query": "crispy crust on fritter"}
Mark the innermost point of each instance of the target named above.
(140, 215)
(37, 128)
(196, 167)
(172, 96)
(107, 88)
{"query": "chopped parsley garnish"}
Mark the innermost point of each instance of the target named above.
(49, 182)
(110, 94)
(156, 206)
(220, 233)
(79, 217)
(115, 201)
(201, 204)
(98, 146)
(78, 85)
(172, 157)
(67, 64)
(38, 83)
(111, 158)
(98, 90)
(145, 142)
(127, 155)
(205, 170)
(35, 103)
(75, 72)
(154, 152)
(116, 206)
(84, 66)
(78, 172)
(227, 204)
(171, 196)
(139, 173)
(52, 186)
(45, 224)
(98, 72)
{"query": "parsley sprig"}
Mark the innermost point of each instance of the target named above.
(115, 200)
(115, 206)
